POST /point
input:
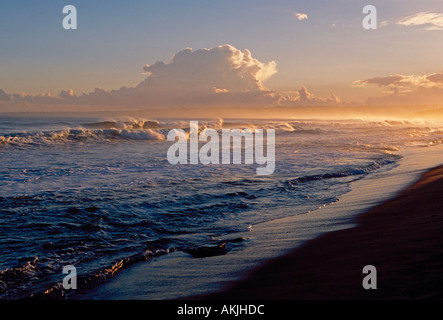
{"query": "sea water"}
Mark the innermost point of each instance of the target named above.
(100, 194)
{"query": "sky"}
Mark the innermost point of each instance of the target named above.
(292, 52)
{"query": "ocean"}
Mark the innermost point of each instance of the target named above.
(99, 193)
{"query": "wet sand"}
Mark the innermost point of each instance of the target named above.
(402, 238)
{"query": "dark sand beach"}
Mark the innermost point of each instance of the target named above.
(402, 238)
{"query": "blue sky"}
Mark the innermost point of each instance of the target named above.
(115, 39)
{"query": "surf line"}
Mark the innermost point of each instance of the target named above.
(209, 152)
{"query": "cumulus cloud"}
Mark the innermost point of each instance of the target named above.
(206, 77)
(301, 16)
(430, 20)
(223, 67)
(66, 94)
(303, 97)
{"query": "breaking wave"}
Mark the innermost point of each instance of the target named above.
(130, 125)
(80, 135)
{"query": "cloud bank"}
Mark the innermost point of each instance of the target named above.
(223, 76)
(217, 77)
(407, 89)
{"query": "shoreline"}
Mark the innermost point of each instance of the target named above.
(402, 237)
(178, 276)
